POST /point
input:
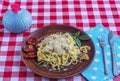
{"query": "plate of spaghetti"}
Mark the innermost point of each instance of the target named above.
(57, 51)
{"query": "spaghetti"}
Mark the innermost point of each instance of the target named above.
(60, 50)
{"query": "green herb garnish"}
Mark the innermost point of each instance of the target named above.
(77, 34)
(77, 37)
(84, 37)
(78, 42)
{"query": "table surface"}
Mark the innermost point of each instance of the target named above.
(79, 13)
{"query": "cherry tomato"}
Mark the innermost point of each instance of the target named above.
(28, 48)
(33, 40)
(30, 55)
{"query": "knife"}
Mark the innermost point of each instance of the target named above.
(114, 63)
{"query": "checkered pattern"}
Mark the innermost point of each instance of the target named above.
(84, 14)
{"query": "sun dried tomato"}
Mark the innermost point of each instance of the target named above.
(28, 48)
(33, 40)
(30, 55)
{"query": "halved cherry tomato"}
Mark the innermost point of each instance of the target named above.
(30, 55)
(33, 40)
(28, 48)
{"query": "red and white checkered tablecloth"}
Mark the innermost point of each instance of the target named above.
(84, 14)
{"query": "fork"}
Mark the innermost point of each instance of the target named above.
(102, 43)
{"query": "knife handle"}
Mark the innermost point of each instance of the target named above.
(105, 62)
(115, 70)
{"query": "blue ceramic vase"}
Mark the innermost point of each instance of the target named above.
(17, 20)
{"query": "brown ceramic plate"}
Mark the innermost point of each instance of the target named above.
(72, 69)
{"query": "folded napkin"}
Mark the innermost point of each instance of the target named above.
(95, 72)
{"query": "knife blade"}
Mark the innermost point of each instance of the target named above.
(111, 43)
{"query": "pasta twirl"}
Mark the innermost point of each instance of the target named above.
(60, 50)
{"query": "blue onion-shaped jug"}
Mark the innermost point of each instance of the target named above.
(17, 20)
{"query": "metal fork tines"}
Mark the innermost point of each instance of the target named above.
(102, 43)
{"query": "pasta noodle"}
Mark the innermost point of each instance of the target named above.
(60, 50)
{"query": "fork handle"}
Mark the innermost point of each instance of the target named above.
(105, 62)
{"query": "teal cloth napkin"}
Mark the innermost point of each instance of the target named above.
(95, 72)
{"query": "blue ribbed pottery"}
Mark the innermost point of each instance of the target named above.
(17, 20)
